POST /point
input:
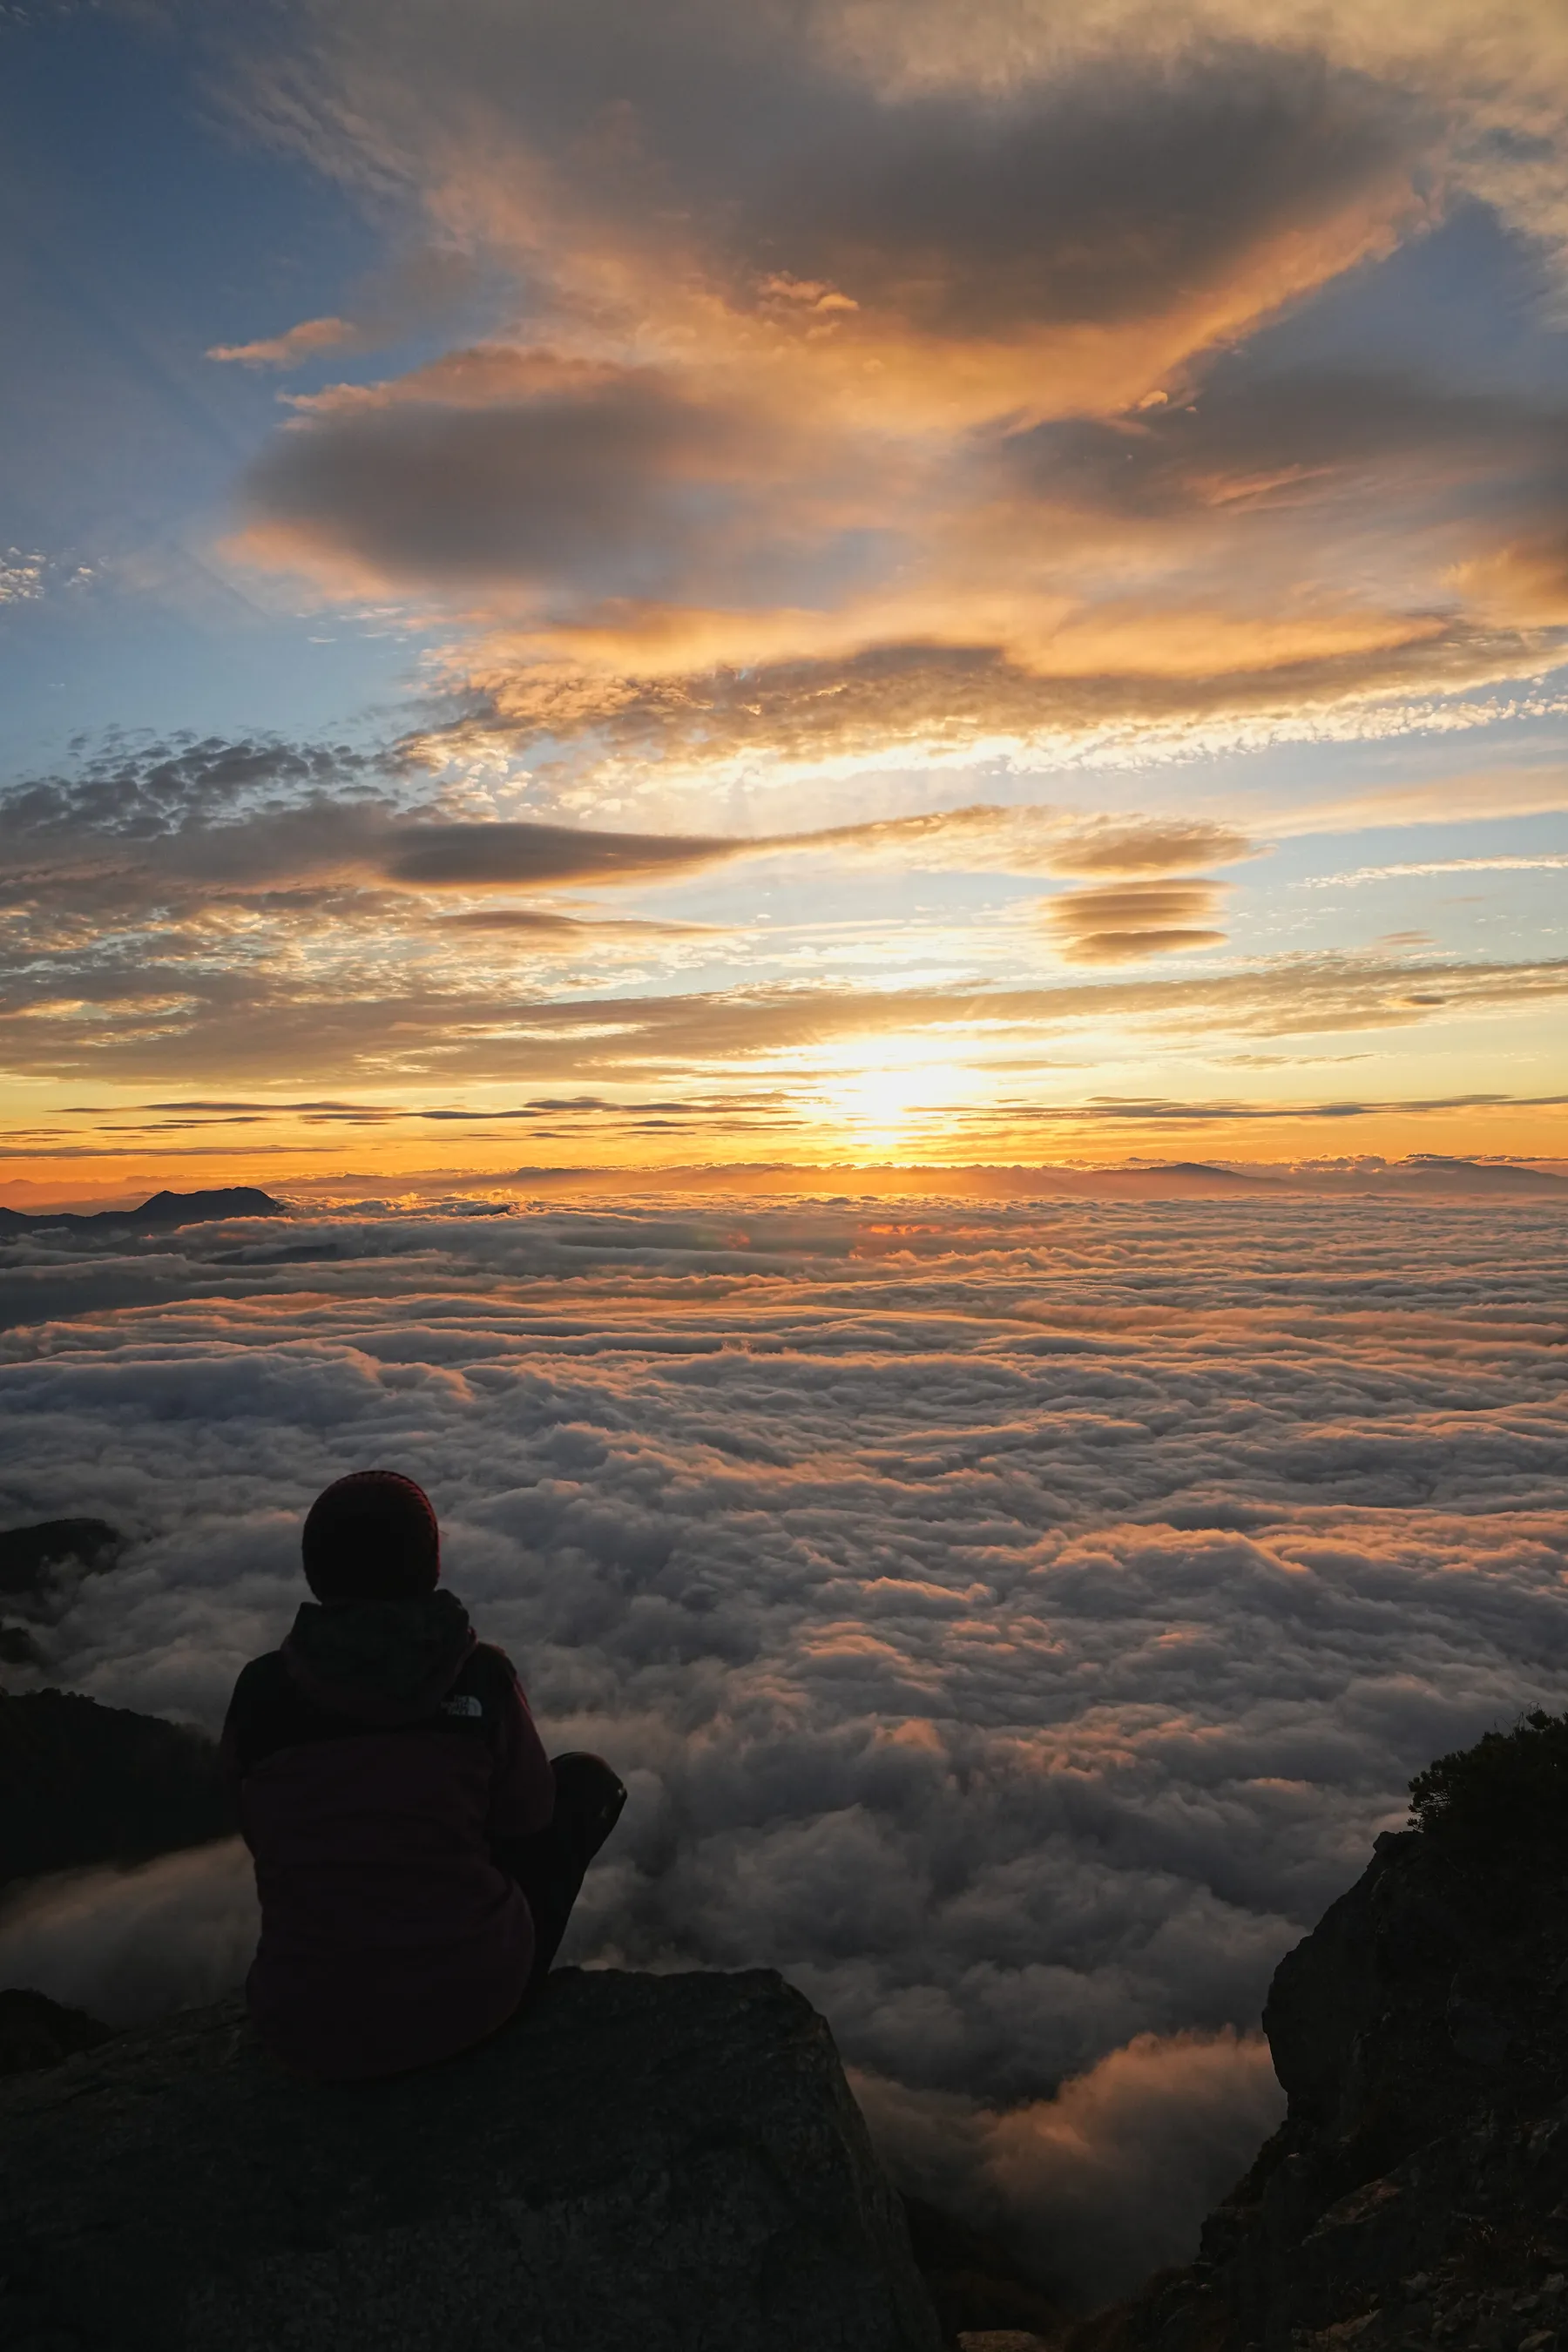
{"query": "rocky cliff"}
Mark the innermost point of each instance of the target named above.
(1416, 2194)
(84, 1783)
(645, 2164)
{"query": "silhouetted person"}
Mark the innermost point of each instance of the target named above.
(416, 1853)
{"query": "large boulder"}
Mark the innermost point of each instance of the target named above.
(644, 2164)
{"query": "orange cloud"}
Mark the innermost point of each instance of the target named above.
(1128, 921)
(302, 343)
(803, 317)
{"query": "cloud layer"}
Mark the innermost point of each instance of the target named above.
(1014, 1622)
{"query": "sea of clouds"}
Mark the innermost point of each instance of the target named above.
(1014, 1622)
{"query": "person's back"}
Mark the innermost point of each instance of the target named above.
(405, 1822)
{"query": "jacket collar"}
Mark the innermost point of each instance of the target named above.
(380, 1661)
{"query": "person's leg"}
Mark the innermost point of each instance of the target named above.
(550, 1866)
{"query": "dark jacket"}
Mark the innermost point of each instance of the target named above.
(378, 1756)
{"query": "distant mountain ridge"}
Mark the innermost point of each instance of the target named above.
(163, 1211)
(1413, 1178)
(1421, 1175)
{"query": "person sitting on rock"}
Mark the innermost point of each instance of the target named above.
(416, 1853)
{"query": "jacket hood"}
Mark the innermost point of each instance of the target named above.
(382, 1661)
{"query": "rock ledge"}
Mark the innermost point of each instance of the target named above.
(646, 2164)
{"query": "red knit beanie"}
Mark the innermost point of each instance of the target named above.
(372, 1537)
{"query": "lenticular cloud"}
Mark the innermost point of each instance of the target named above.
(1012, 1622)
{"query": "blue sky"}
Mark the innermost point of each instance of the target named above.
(761, 426)
(143, 230)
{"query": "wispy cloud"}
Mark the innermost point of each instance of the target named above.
(976, 839)
(1543, 864)
(307, 340)
(536, 924)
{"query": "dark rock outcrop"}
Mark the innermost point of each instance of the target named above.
(645, 2164)
(160, 1213)
(28, 1555)
(84, 1783)
(1418, 2192)
(978, 2288)
(41, 1567)
(37, 2032)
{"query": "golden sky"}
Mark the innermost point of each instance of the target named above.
(644, 585)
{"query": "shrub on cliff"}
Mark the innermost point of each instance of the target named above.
(1510, 1790)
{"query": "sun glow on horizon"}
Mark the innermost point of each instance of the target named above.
(898, 1100)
